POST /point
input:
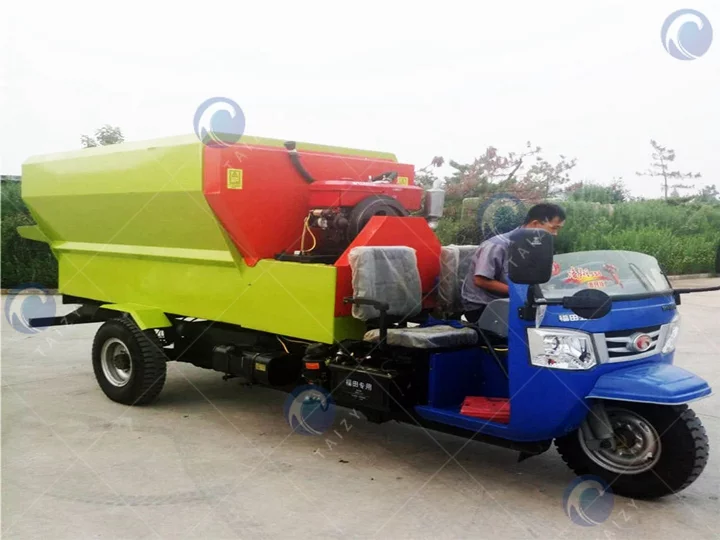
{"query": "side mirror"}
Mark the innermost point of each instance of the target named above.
(588, 303)
(530, 256)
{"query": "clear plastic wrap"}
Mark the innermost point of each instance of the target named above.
(454, 265)
(388, 274)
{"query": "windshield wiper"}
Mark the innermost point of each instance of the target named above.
(642, 278)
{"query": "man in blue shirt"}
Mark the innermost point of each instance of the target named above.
(487, 278)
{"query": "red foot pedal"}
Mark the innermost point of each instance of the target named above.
(492, 409)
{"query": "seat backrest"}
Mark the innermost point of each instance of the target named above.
(388, 274)
(495, 317)
(454, 265)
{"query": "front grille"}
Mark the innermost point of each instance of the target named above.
(618, 343)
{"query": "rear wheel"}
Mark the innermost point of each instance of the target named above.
(128, 363)
(657, 450)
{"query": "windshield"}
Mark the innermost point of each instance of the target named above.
(617, 273)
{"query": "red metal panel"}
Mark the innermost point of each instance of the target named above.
(262, 207)
(413, 232)
(344, 193)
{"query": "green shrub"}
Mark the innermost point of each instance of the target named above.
(23, 261)
(684, 238)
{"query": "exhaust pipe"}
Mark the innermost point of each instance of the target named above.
(434, 204)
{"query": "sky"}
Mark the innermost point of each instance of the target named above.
(589, 80)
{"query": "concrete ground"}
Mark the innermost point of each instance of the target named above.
(213, 459)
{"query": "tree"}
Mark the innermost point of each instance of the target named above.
(425, 177)
(590, 192)
(709, 194)
(660, 167)
(104, 136)
(528, 175)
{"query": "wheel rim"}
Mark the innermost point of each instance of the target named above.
(636, 445)
(116, 362)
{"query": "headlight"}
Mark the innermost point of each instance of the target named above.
(671, 335)
(561, 349)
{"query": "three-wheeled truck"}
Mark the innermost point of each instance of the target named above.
(295, 264)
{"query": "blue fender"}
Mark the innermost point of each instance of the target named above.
(664, 384)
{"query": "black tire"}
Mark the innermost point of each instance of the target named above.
(684, 451)
(148, 365)
(380, 205)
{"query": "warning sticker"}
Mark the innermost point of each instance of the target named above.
(234, 179)
(402, 180)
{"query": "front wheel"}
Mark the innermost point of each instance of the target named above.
(656, 450)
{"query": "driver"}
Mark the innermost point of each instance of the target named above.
(487, 277)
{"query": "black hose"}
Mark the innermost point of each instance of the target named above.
(295, 159)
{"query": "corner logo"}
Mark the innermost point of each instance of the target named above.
(686, 34)
(28, 302)
(310, 410)
(500, 214)
(219, 122)
(588, 501)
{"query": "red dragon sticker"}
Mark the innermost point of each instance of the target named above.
(594, 279)
(613, 271)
